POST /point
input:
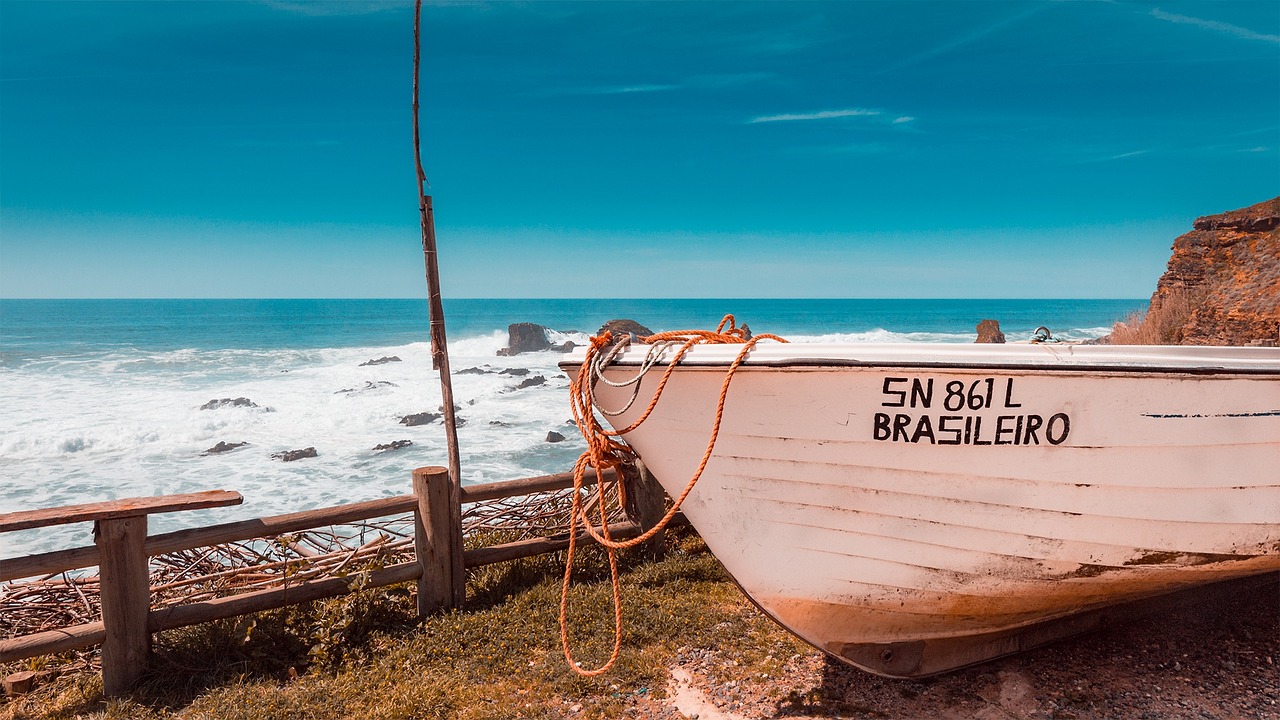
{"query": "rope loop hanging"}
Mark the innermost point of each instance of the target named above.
(605, 448)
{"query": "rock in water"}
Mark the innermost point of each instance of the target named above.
(989, 332)
(291, 455)
(382, 360)
(554, 437)
(623, 326)
(379, 385)
(422, 418)
(525, 337)
(229, 402)
(393, 445)
(222, 447)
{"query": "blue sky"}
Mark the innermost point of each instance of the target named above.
(705, 149)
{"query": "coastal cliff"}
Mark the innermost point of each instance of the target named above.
(1222, 285)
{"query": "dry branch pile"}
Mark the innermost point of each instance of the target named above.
(67, 599)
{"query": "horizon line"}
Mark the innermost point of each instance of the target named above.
(614, 299)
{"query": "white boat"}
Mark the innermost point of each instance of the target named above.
(913, 508)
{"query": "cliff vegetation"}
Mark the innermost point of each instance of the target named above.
(1222, 285)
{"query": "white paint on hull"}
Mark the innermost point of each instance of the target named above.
(1161, 472)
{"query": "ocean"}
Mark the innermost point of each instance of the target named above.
(102, 399)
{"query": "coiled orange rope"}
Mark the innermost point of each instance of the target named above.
(606, 450)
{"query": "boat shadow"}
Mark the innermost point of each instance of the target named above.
(1216, 656)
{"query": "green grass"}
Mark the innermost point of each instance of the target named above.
(367, 655)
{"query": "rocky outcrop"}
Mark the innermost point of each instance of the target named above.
(534, 381)
(393, 445)
(1255, 219)
(382, 360)
(486, 370)
(426, 418)
(422, 418)
(222, 447)
(554, 437)
(525, 337)
(989, 332)
(291, 455)
(377, 385)
(530, 337)
(1226, 274)
(228, 402)
(623, 326)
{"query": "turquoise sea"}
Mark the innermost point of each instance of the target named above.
(102, 398)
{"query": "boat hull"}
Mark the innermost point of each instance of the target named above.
(918, 517)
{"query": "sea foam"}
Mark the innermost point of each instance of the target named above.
(130, 423)
(86, 417)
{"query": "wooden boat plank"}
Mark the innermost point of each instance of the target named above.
(1144, 535)
(1032, 467)
(1159, 474)
(925, 539)
(1248, 504)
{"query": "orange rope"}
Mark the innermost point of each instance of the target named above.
(605, 450)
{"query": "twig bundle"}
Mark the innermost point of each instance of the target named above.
(67, 599)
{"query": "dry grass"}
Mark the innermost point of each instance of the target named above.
(37, 605)
(1163, 324)
(367, 656)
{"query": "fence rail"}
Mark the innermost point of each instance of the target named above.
(122, 549)
(192, 538)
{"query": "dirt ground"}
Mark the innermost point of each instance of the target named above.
(1200, 660)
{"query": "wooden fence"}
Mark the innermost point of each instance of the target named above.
(122, 550)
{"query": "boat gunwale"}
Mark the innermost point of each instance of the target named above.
(1127, 360)
(833, 365)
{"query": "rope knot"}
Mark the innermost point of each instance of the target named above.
(601, 341)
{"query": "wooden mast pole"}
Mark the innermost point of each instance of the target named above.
(439, 347)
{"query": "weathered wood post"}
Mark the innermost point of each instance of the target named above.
(439, 344)
(126, 600)
(437, 540)
(646, 504)
(120, 533)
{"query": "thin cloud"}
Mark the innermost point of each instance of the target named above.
(635, 89)
(333, 8)
(966, 39)
(280, 143)
(871, 148)
(1234, 30)
(903, 119)
(823, 115)
(717, 81)
(712, 82)
(604, 90)
(1099, 158)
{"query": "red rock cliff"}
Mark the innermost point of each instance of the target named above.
(1228, 268)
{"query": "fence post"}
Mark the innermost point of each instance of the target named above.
(126, 600)
(646, 504)
(437, 540)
